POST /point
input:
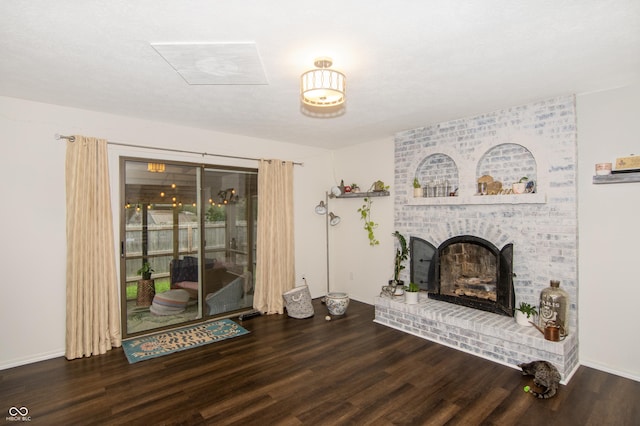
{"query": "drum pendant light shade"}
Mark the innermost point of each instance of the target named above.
(322, 87)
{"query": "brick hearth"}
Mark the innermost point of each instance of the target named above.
(488, 335)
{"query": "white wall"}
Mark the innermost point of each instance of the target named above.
(32, 169)
(357, 267)
(609, 233)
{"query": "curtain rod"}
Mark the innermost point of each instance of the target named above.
(182, 151)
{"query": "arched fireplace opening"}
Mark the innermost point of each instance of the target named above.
(465, 270)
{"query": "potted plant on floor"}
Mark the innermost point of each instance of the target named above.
(525, 313)
(402, 254)
(411, 294)
(146, 285)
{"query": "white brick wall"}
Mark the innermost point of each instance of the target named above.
(542, 228)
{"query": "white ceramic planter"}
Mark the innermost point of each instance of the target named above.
(521, 319)
(411, 297)
(518, 188)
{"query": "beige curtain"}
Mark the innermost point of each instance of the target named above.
(93, 310)
(275, 272)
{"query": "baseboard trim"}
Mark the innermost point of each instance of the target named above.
(607, 369)
(31, 359)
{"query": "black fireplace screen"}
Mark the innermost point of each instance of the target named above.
(465, 270)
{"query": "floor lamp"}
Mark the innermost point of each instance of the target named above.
(330, 220)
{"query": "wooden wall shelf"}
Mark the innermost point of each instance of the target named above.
(362, 194)
(617, 178)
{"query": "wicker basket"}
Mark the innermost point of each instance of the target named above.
(298, 302)
(146, 291)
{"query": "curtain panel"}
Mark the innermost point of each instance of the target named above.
(275, 270)
(93, 309)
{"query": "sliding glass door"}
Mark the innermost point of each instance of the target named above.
(230, 223)
(159, 227)
(187, 242)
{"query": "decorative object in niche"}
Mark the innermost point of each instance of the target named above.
(483, 184)
(520, 186)
(508, 163)
(417, 188)
(439, 174)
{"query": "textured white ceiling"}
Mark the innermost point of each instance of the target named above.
(408, 63)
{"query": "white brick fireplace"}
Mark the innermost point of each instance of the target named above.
(537, 141)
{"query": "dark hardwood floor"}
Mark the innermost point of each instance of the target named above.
(309, 372)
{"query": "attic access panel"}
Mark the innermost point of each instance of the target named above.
(214, 63)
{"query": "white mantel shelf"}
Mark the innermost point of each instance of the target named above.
(536, 198)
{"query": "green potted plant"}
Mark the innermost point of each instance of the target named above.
(525, 313)
(417, 188)
(402, 254)
(411, 293)
(145, 271)
(146, 286)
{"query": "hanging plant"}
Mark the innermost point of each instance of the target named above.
(369, 225)
(365, 212)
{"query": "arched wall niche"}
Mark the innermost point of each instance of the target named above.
(508, 163)
(436, 169)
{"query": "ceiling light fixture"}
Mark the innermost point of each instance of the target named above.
(322, 87)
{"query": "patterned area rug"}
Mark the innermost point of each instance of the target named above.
(167, 342)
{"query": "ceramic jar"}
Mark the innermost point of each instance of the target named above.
(337, 303)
